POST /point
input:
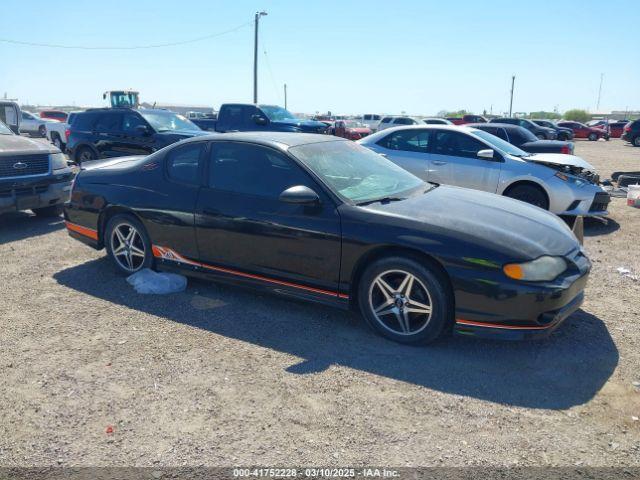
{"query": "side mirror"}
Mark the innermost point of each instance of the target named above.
(143, 130)
(488, 154)
(259, 120)
(300, 195)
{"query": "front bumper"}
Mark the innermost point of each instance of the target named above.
(35, 193)
(567, 199)
(497, 307)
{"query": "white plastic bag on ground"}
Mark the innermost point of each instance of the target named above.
(159, 283)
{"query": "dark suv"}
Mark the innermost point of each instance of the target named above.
(114, 132)
(563, 133)
(631, 133)
(543, 133)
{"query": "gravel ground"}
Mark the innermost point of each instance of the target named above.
(94, 374)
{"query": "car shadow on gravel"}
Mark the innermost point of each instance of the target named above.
(16, 226)
(567, 369)
(594, 227)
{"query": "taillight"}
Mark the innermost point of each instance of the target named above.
(67, 132)
(565, 149)
(627, 127)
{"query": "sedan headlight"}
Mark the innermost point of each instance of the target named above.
(542, 269)
(578, 182)
(58, 161)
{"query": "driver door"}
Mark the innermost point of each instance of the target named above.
(242, 226)
(454, 161)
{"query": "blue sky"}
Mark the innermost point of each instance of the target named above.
(417, 56)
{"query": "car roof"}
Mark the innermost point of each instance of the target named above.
(506, 126)
(272, 139)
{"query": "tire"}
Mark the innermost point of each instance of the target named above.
(129, 252)
(85, 154)
(541, 136)
(52, 211)
(391, 286)
(636, 141)
(57, 142)
(531, 194)
(593, 137)
(42, 131)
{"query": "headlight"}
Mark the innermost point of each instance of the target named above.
(578, 182)
(539, 270)
(58, 161)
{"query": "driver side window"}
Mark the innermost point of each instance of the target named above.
(456, 144)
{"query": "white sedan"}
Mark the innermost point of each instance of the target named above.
(471, 158)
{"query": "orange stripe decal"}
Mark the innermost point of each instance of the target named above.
(87, 232)
(498, 325)
(170, 254)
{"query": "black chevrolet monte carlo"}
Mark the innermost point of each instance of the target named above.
(324, 219)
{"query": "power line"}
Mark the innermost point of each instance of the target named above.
(133, 47)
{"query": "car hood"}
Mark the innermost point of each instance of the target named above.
(12, 144)
(561, 159)
(184, 133)
(515, 229)
(304, 125)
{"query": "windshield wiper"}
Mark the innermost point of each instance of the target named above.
(381, 200)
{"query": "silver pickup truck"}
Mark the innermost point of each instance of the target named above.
(33, 175)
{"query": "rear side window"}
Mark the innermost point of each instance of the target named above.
(403, 121)
(84, 121)
(234, 114)
(456, 144)
(108, 122)
(376, 117)
(407, 141)
(385, 120)
(368, 117)
(253, 170)
(183, 163)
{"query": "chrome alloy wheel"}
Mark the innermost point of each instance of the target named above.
(400, 302)
(127, 247)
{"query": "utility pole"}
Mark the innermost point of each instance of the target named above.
(285, 96)
(513, 81)
(255, 57)
(599, 92)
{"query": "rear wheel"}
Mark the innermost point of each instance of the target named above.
(405, 300)
(636, 141)
(85, 154)
(57, 142)
(42, 131)
(128, 244)
(530, 194)
(593, 137)
(52, 211)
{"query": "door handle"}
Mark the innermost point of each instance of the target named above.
(439, 162)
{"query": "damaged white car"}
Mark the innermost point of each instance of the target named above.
(471, 158)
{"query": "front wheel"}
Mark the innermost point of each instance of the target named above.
(636, 141)
(85, 154)
(593, 137)
(529, 194)
(405, 300)
(128, 244)
(57, 142)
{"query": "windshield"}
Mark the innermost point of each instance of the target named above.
(164, 121)
(353, 124)
(4, 130)
(500, 144)
(354, 172)
(275, 113)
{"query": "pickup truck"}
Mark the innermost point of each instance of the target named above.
(33, 175)
(245, 117)
(206, 121)
(57, 131)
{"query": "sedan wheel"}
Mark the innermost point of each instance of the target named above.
(400, 302)
(636, 141)
(58, 143)
(128, 244)
(404, 300)
(593, 137)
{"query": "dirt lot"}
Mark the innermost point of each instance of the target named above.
(221, 376)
